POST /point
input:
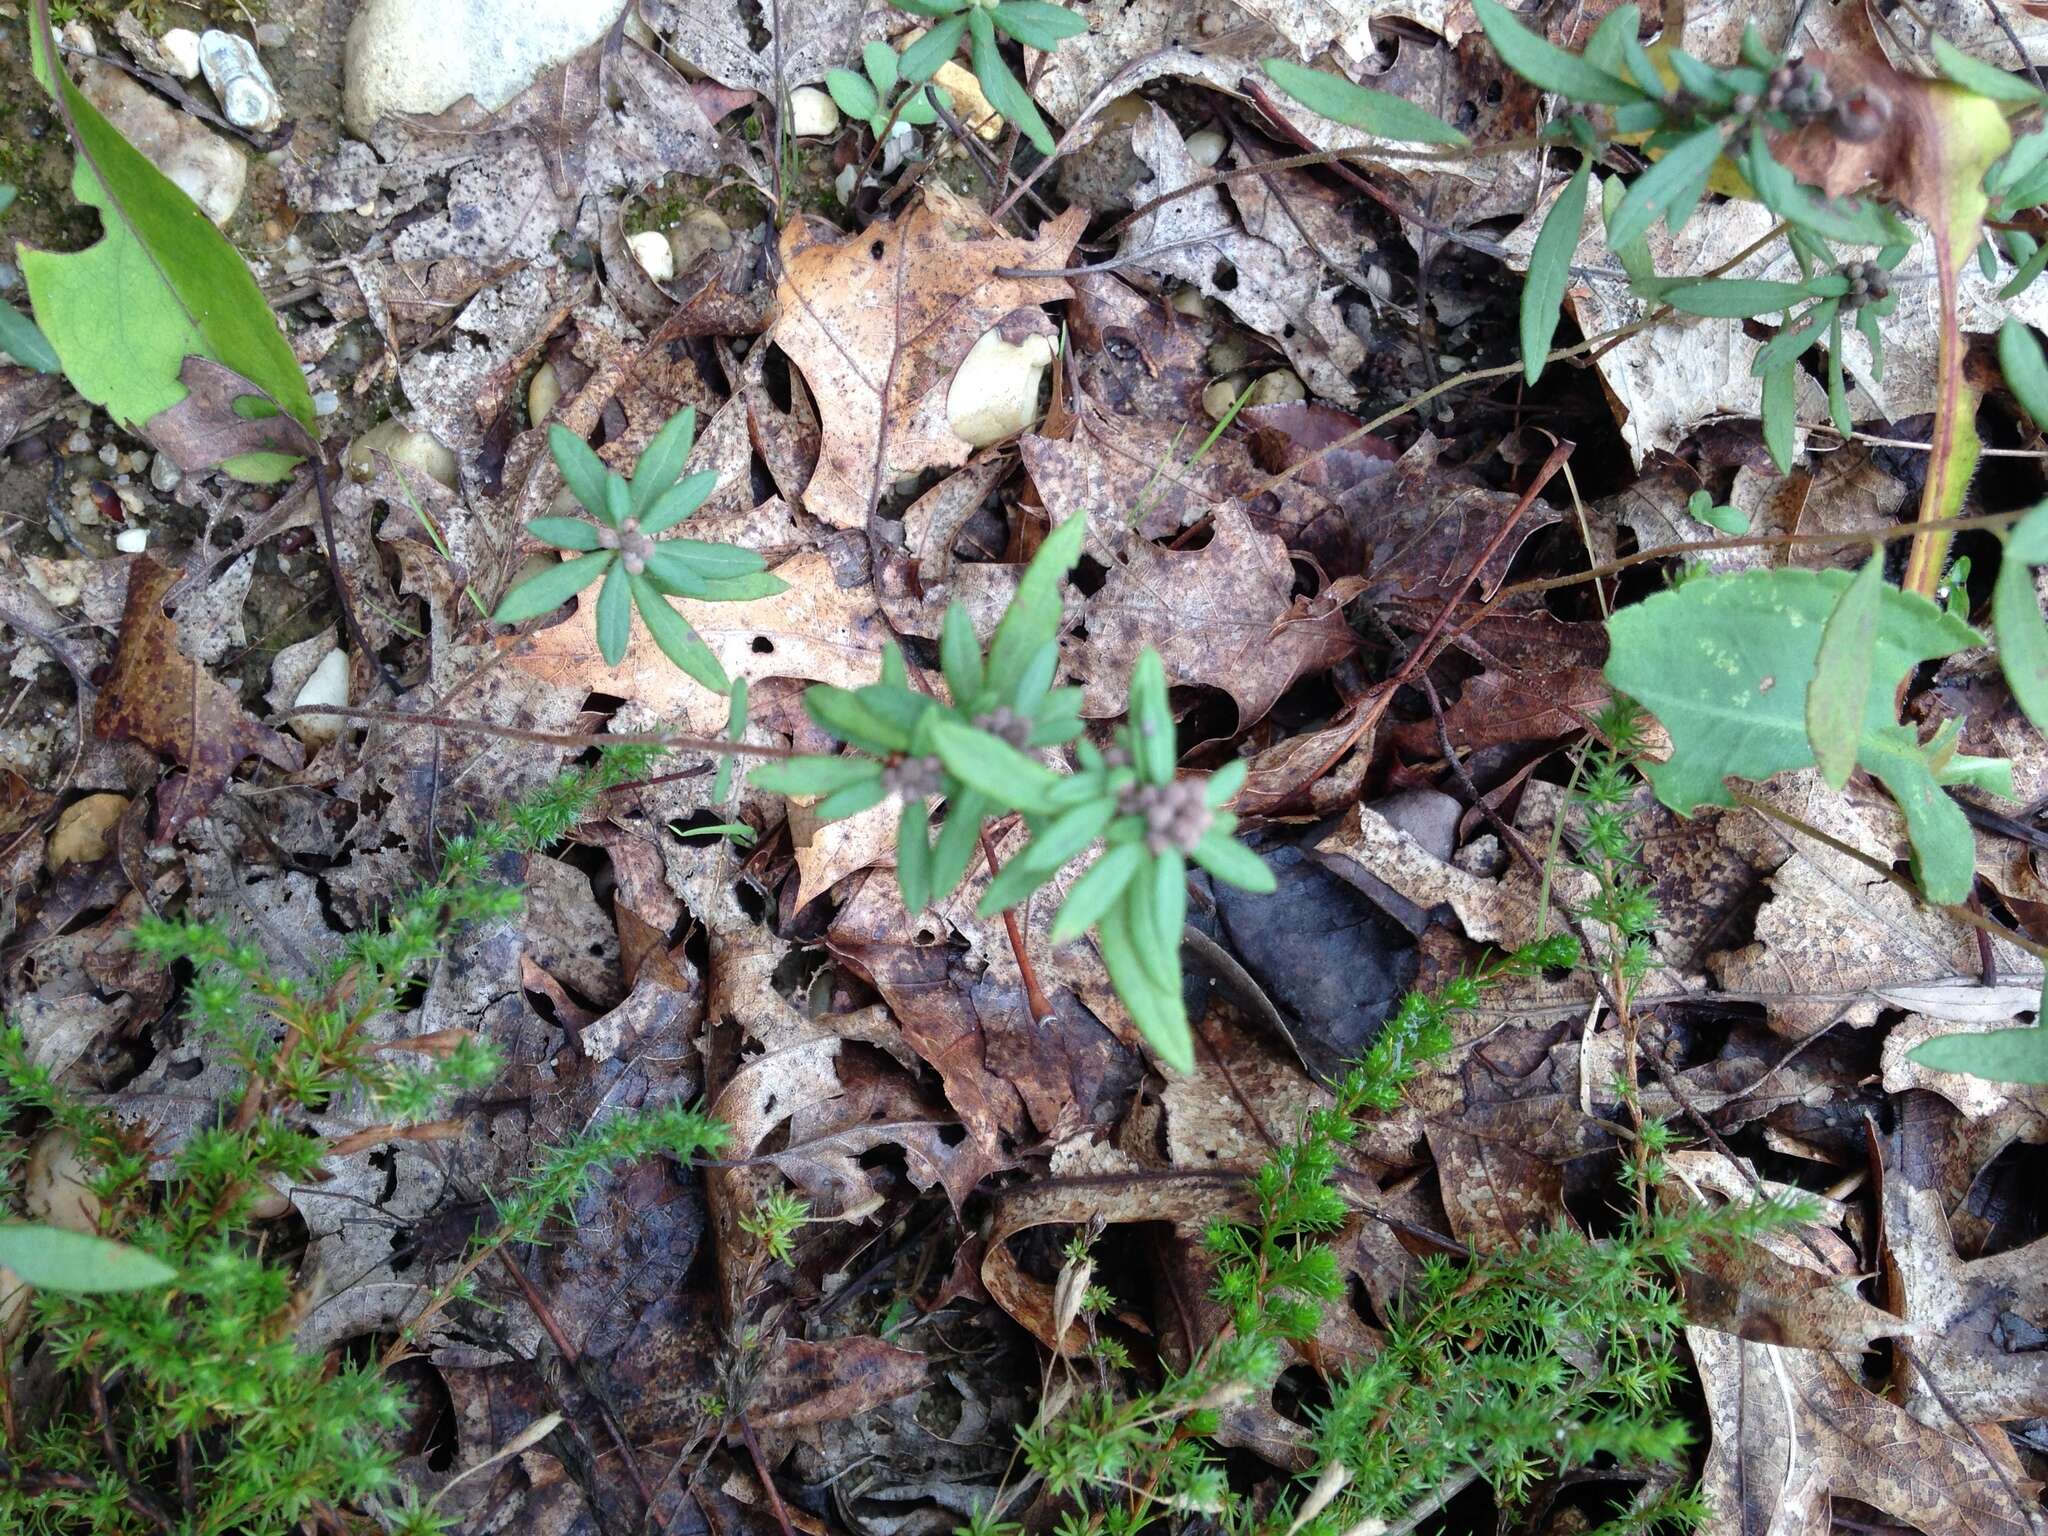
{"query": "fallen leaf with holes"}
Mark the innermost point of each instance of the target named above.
(879, 322)
(815, 1381)
(1224, 616)
(159, 696)
(818, 631)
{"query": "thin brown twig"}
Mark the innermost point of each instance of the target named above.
(761, 1471)
(714, 746)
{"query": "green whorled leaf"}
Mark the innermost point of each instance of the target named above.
(1158, 1011)
(564, 532)
(994, 768)
(903, 708)
(1035, 681)
(1793, 342)
(1550, 270)
(848, 718)
(1058, 717)
(1780, 413)
(931, 7)
(814, 775)
(914, 856)
(737, 589)
(1233, 863)
(1701, 79)
(2016, 616)
(547, 590)
(678, 502)
(954, 848)
(2030, 269)
(851, 800)
(54, 1259)
(921, 60)
(582, 470)
(614, 615)
(679, 643)
(1154, 749)
(1607, 48)
(1380, 113)
(2026, 370)
(879, 60)
(1866, 322)
(1634, 257)
(1050, 847)
(1545, 65)
(675, 575)
(618, 500)
(1158, 905)
(1225, 782)
(712, 560)
(21, 340)
(735, 730)
(1845, 221)
(2003, 1055)
(1666, 187)
(1734, 298)
(1098, 889)
(960, 656)
(855, 96)
(1838, 389)
(1012, 887)
(1000, 86)
(1840, 692)
(1985, 79)
(160, 285)
(662, 461)
(1033, 618)
(1725, 663)
(1037, 24)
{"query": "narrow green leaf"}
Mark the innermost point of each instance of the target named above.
(1732, 298)
(1158, 1011)
(957, 841)
(921, 60)
(564, 532)
(1607, 48)
(1036, 24)
(2026, 370)
(662, 461)
(931, 7)
(995, 768)
(614, 615)
(855, 96)
(679, 643)
(1380, 113)
(1780, 414)
(1153, 746)
(914, 856)
(582, 470)
(848, 718)
(1794, 341)
(678, 502)
(1000, 86)
(1033, 617)
(1233, 863)
(1840, 691)
(547, 590)
(1225, 782)
(744, 589)
(675, 575)
(2002, 1055)
(879, 60)
(1096, 891)
(2029, 270)
(960, 656)
(1838, 389)
(1550, 271)
(813, 775)
(2016, 617)
(714, 561)
(54, 1259)
(1985, 79)
(618, 500)
(1167, 905)
(1545, 65)
(735, 730)
(852, 800)
(21, 340)
(1665, 186)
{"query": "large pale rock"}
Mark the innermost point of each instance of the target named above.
(426, 55)
(206, 167)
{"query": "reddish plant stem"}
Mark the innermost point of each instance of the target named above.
(761, 1471)
(1034, 995)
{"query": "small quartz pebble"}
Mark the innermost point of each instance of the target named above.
(77, 38)
(1206, 147)
(132, 541)
(178, 50)
(1280, 387)
(247, 97)
(163, 474)
(1220, 396)
(326, 402)
(812, 114)
(271, 34)
(327, 685)
(995, 393)
(701, 231)
(542, 394)
(84, 831)
(650, 249)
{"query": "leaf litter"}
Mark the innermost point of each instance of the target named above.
(890, 1068)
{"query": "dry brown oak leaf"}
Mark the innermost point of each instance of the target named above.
(879, 322)
(161, 697)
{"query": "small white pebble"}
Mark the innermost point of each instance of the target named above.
(650, 248)
(326, 403)
(109, 455)
(271, 34)
(132, 541)
(163, 474)
(1206, 147)
(78, 442)
(812, 114)
(328, 684)
(180, 47)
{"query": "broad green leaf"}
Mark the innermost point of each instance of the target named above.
(1726, 519)
(1665, 188)
(850, 719)
(1550, 271)
(54, 1259)
(813, 775)
(679, 643)
(1033, 617)
(547, 590)
(2003, 1055)
(1985, 79)
(615, 615)
(678, 502)
(662, 461)
(960, 655)
(921, 60)
(1725, 663)
(1233, 863)
(2026, 370)
(1733, 298)
(1840, 691)
(22, 341)
(564, 532)
(1009, 98)
(1380, 113)
(1158, 1011)
(914, 856)
(855, 96)
(995, 768)
(1152, 727)
(879, 60)
(1545, 65)
(1036, 24)
(161, 284)
(2016, 616)
(582, 470)
(1098, 889)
